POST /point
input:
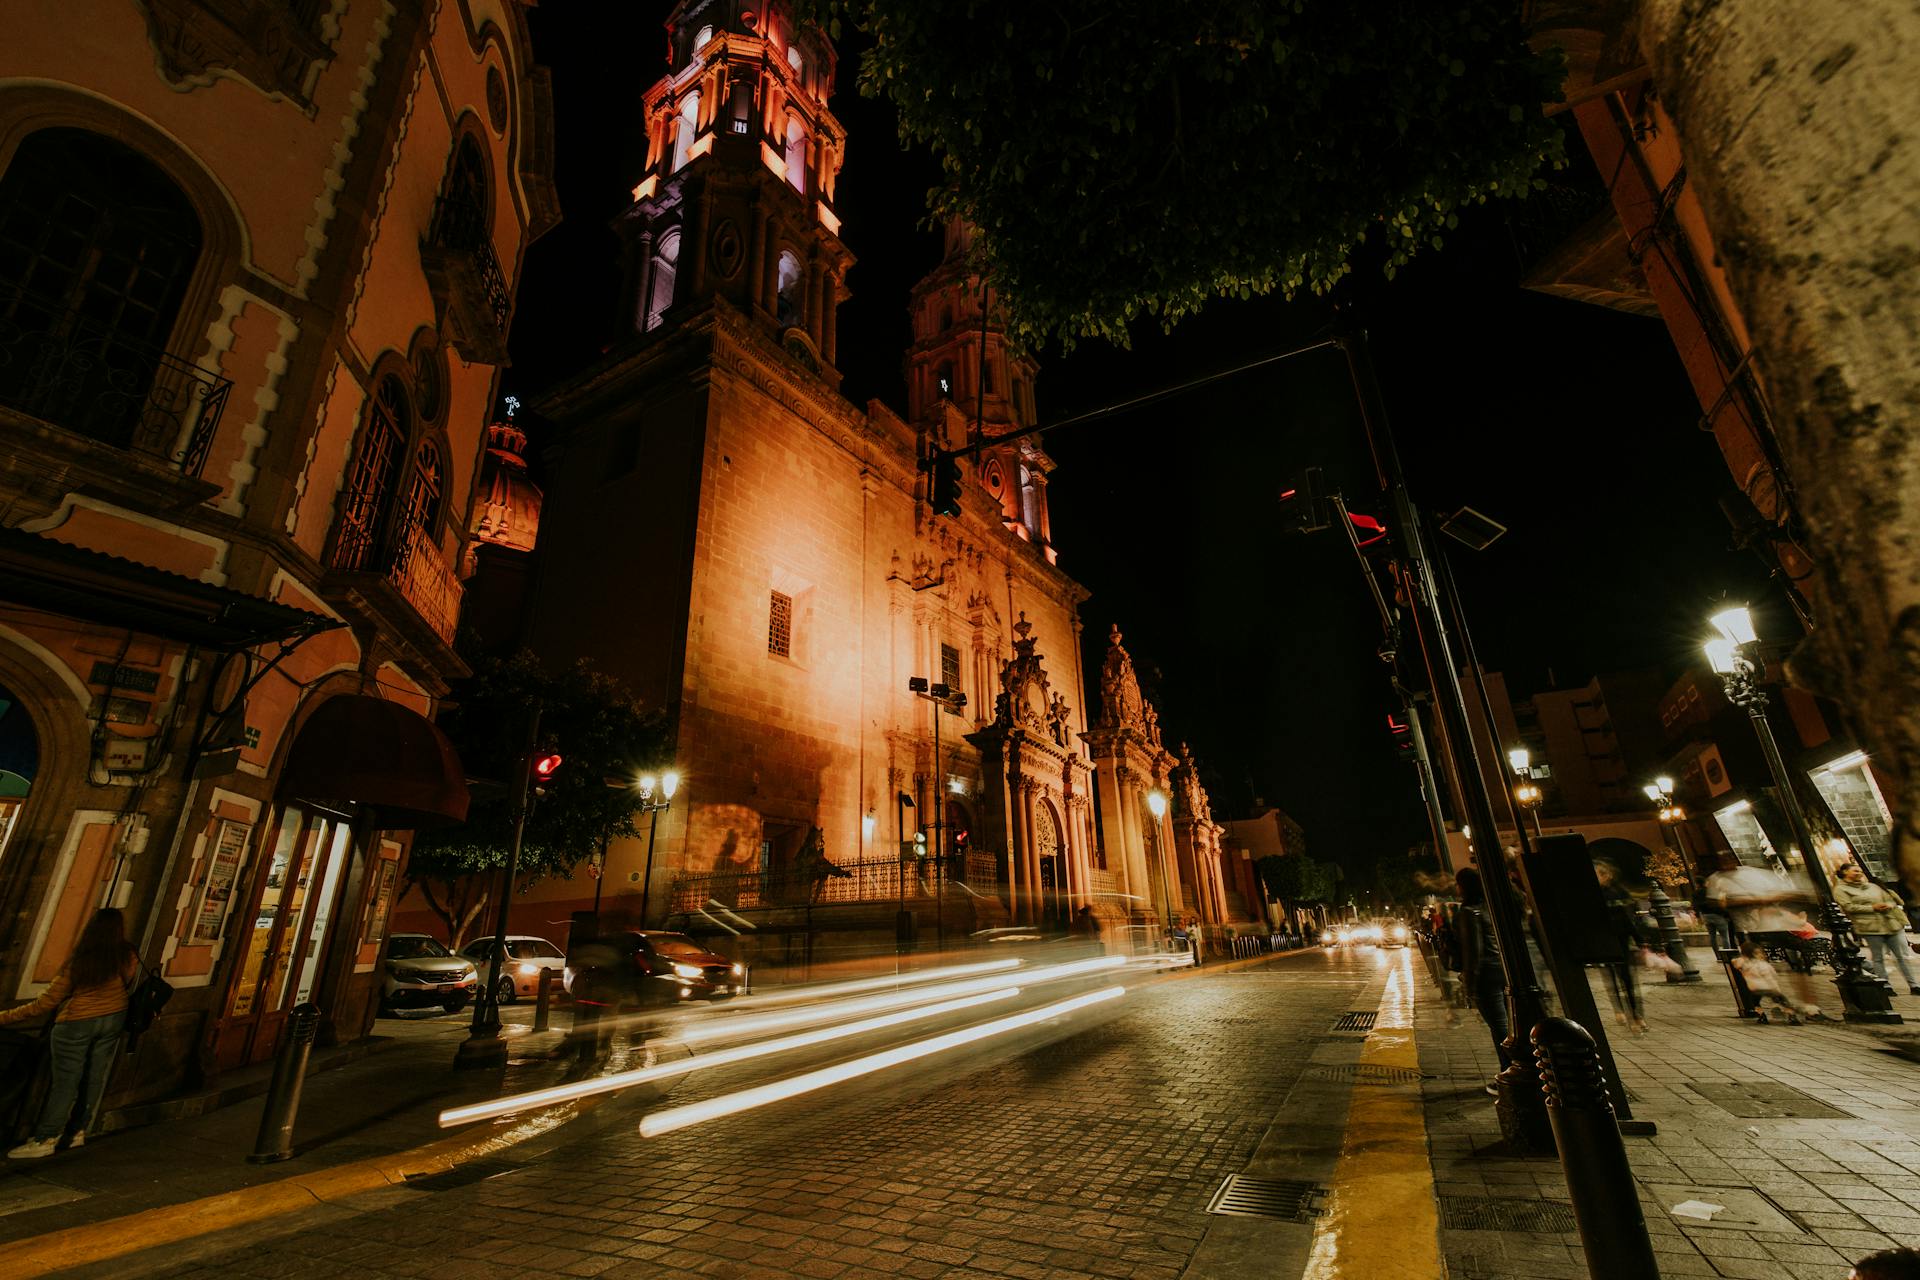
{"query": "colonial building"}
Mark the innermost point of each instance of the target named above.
(257, 263)
(742, 546)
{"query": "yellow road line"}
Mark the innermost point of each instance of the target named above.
(1381, 1221)
(169, 1224)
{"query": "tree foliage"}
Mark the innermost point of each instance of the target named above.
(601, 731)
(1136, 157)
(1296, 878)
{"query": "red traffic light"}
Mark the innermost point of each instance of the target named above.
(546, 766)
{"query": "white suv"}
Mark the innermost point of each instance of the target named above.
(520, 970)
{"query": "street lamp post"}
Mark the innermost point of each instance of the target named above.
(1526, 795)
(666, 784)
(1735, 657)
(948, 699)
(903, 803)
(1157, 806)
(1660, 791)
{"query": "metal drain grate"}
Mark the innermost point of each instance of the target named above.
(1265, 1198)
(1356, 1021)
(1484, 1213)
(1367, 1073)
(1766, 1100)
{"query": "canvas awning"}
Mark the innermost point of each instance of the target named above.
(356, 749)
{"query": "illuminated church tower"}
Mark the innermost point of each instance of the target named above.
(965, 382)
(737, 198)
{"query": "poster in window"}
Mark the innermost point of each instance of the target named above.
(378, 905)
(223, 869)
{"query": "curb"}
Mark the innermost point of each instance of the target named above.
(170, 1224)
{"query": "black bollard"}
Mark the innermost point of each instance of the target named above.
(1670, 936)
(1606, 1203)
(543, 1000)
(275, 1141)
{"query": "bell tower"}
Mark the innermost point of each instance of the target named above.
(737, 198)
(965, 383)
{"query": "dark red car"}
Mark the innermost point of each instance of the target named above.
(649, 968)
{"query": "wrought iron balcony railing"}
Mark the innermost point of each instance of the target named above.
(465, 274)
(869, 880)
(413, 565)
(105, 386)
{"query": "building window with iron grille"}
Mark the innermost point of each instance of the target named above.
(780, 625)
(950, 668)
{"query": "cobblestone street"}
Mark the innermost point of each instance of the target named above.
(1094, 1155)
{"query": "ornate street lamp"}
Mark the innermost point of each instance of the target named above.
(666, 784)
(1660, 791)
(1526, 795)
(1735, 657)
(1157, 806)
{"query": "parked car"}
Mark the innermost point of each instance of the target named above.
(520, 971)
(421, 972)
(649, 968)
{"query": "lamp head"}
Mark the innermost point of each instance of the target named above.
(1653, 791)
(647, 783)
(918, 684)
(1665, 784)
(1736, 624)
(906, 800)
(1719, 655)
(1519, 758)
(1157, 803)
(669, 783)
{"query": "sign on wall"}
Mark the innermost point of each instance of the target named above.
(223, 870)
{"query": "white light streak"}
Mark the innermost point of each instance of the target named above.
(746, 1099)
(735, 1026)
(718, 1058)
(871, 984)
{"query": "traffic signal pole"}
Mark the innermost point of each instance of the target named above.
(1521, 1104)
(484, 1046)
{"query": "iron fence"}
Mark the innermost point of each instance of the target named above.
(105, 385)
(873, 880)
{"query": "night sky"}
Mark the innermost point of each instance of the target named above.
(1571, 424)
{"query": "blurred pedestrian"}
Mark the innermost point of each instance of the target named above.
(1479, 952)
(1623, 921)
(1713, 918)
(1888, 1264)
(1763, 983)
(1880, 918)
(88, 998)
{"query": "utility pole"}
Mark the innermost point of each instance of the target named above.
(484, 1046)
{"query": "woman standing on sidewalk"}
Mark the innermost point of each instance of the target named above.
(90, 993)
(1879, 918)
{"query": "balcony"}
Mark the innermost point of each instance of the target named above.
(470, 291)
(106, 387)
(873, 880)
(410, 573)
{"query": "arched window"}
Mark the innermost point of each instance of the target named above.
(367, 499)
(660, 296)
(689, 123)
(421, 510)
(701, 37)
(790, 310)
(97, 245)
(794, 60)
(796, 154)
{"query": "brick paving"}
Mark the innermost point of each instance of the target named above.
(1093, 1156)
(1804, 1197)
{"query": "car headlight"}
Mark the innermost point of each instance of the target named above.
(739, 971)
(687, 970)
(1400, 933)
(528, 970)
(1326, 937)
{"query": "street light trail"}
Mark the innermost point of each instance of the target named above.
(746, 1099)
(870, 984)
(718, 1058)
(726, 1026)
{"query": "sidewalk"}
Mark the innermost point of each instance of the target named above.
(379, 1104)
(1808, 1136)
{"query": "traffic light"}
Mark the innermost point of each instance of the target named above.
(1402, 738)
(945, 492)
(920, 844)
(1305, 508)
(545, 766)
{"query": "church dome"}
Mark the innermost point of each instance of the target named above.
(508, 512)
